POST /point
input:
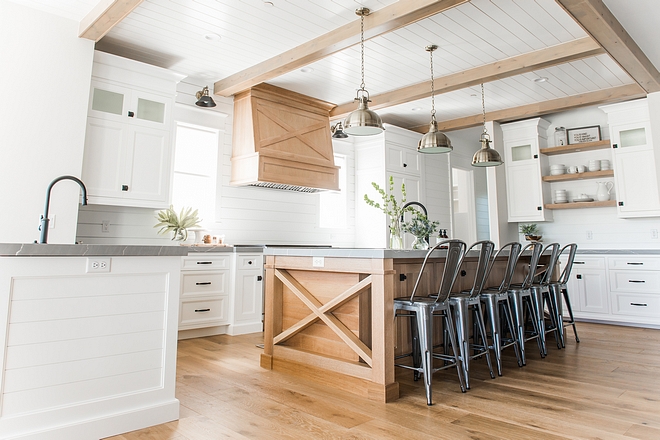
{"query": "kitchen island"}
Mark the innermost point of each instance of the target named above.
(89, 336)
(329, 313)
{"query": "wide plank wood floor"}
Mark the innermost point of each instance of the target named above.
(605, 387)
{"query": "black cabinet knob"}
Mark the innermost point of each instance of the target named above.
(259, 278)
(250, 262)
(579, 277)
(402, 277)
(615, 145)
(131, 114)
(405, 165)
(620, 203)
(124, 187)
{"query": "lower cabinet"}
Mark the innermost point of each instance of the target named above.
(221, 293)
(617, 289)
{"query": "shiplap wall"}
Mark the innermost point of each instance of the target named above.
(244, 215)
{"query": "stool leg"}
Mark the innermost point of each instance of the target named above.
(462, 337)
(570, 313)
(536, 300)
(509, 322)
(482, 330)
(416, 356)
(519, 322)
(425, 331)
(451, 331)
(493, 313)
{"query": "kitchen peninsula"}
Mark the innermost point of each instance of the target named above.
(330, 313)
(89, 336)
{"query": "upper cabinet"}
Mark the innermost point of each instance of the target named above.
(527, 193)
(634, 159)
(128, 141)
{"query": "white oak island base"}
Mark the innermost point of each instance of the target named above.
(87, 355)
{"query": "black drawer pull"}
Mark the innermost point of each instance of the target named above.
(250, 262)
(639, 304)
(202, 310)
(636, 281)
(636, 264)
(402, 277)
(205, 262)
(259, 278)
(579, 262)
(204, 283)
(578, 276)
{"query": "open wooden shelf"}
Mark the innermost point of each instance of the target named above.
(576, 205)
(579, 176)
(587, 146)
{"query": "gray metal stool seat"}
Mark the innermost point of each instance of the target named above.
(467, 301)
(496, 300)
(541, 293)
(558, 291)
(423, 308)
(522, 299)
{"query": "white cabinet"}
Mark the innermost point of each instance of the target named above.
(248, 295)
(128, 146)
(392, 153)
(588, 285)
(527, 193)
(205, 291)
(633, 154)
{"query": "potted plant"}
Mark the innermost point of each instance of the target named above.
(393, 208)
(169, 221)
(531, 232)
(421, 227)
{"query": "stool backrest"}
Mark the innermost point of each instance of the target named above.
(566, 273)
(514, 251)
(546, 273)
(486, 248)
(455, 251)
(535, 249)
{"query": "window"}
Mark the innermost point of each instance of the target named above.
(195, 167)
(332, 204)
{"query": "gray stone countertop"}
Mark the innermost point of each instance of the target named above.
(619, 251)
(83, 250)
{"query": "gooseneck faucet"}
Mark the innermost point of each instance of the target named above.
(426, 213)
(43, 238)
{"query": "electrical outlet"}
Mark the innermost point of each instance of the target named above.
(590, 235)
(105, 226)
(98, 265)
(654, 234)
(318, 261)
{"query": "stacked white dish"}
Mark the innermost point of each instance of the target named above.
(561, 196)
(558, 169)
(594, 165)
(604, 165)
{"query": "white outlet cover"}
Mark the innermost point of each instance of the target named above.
(318, 261)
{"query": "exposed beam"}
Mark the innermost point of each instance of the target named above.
(620, 93)
(105, 15)
(539, 59)
(387, 19)
(597, 20)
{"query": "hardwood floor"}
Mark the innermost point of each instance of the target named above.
(606, 387)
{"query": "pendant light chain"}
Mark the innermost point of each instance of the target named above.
(483, 105)
(362, 85)
(432, 88)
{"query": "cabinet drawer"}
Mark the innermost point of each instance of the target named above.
(634, 281)
(249, 262)
(202, 262)
(634, 263)
(203, 312)
(216, 282)
(581, 262)
(636, 304)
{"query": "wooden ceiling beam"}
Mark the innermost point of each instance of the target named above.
(600, 23)
(105, 15)
(387, 19)
(539, 59)
(615, 94)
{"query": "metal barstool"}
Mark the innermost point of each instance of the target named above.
(496, 299)
(423, 309)
(558, 291)
(521, 297)
(466, 301)
(541, 292)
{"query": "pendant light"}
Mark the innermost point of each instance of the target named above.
(337, 131)
(362, 122)
(486, 156)
(203, 98)
(434, 141)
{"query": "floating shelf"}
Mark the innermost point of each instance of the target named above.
(576, 205)
(579, 176)
(587, 146)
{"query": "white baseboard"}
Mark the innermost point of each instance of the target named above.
(202, 332)
(243, 329)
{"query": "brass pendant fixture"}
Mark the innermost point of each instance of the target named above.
(362, 122)
(203, 98)
(486, 156)
(337, 131)
(434, 141)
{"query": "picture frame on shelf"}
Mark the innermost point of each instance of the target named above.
(580, 135)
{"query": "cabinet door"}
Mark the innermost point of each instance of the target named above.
(104, 158)
(525, 200)
(108, 101)
(635, 177)
(149, 109)
(248, 299)
(403, 160)
(592, 291)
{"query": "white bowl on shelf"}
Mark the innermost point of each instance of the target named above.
(557, 172)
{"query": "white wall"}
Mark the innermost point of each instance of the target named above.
(45, 79)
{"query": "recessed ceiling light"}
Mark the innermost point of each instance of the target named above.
(416, 109)
(473, 95)
(212, 37)
(307, 69)
(540, 79)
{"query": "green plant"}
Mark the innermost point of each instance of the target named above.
(169, 221)
(530, 229)
(420, 226)
(390, 205)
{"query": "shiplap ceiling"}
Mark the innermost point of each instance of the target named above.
(172, 34)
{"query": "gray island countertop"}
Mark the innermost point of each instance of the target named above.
(84, 250)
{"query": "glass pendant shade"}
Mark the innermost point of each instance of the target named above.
(434, 141)
(486, 156)
(363, 122)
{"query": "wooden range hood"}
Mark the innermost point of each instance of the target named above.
(282, 140)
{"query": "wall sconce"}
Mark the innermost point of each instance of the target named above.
(337, 131)
(203, 98)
